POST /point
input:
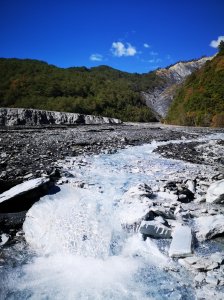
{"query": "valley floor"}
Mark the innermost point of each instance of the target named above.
(26, 153)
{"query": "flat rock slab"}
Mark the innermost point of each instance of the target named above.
(21, 197)
(181, 245)
(155, 229)
(23, 188)
(209, 226)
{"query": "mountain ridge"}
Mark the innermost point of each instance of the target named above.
(100, 90)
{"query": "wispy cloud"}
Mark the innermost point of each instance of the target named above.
(96, 57)
(168, 57)
(215, 43)
(120, 49)
(154, 60)
(153, 53)
(146, 45)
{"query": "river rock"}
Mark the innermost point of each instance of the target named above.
(135, 204)
(155, 229)
(22, 196)
(181, 244)
(209, 226)
(215, 192)
(139, 191)
(3, 239)
(200, 264)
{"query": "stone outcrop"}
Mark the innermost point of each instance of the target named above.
(215, 193)
(210, 226)
(161, 98)
(33, 117)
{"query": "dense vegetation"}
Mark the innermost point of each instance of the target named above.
(200, 100)
(101, 90)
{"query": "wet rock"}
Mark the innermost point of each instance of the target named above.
(139, 191)
(215, 192)
(218, 257)
(159, 211)
(155, 229)
(191, 185)
(3, 239)
(185, 195)
(212, 280)
(22, 196)
(181, 245)
(200, 277)
(199, 264)
(209, 226)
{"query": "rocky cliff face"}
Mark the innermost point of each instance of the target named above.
(32, 117)
(160, 99)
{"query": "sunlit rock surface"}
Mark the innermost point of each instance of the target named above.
(215, 193)
(32, 117)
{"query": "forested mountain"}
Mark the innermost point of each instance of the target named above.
(105, 91)
(100, 91)
(200, 100)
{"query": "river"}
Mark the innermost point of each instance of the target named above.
(77, 246)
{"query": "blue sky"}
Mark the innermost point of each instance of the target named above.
(130, 35)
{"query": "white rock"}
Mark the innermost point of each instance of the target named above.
(167, 196)
(181, 244)
(199, 277)
(191, 185)
(218, 257)
(135, 204)
(212, 280)
(215, 193)
(209, 226)
(4, 239)
(23, 188)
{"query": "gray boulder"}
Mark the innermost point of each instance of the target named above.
(22, 196)
(215, 192)
(155, 229)
(209, 226)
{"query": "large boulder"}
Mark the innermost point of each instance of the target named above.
(22, 196)
(134, 205)
(210, 226)
(215, 193)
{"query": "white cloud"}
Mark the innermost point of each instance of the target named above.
(146, 45)
(96, 57)
(155, 60)
(215, 43)
(168, 57)
(153, 53)
(119, 49)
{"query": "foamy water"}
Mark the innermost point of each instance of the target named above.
(77, 246)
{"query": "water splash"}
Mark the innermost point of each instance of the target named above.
(78, 249)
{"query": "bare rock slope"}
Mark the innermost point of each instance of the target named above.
(32, 117)
(160, 99)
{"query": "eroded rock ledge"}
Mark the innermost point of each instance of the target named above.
(33, 117)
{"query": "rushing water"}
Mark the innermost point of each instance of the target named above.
(78, 248)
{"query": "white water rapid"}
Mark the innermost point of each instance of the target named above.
(78, 248)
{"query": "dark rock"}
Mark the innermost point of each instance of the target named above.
(155, 229)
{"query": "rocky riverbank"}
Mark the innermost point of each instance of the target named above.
(31, 152)
(174, 202)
